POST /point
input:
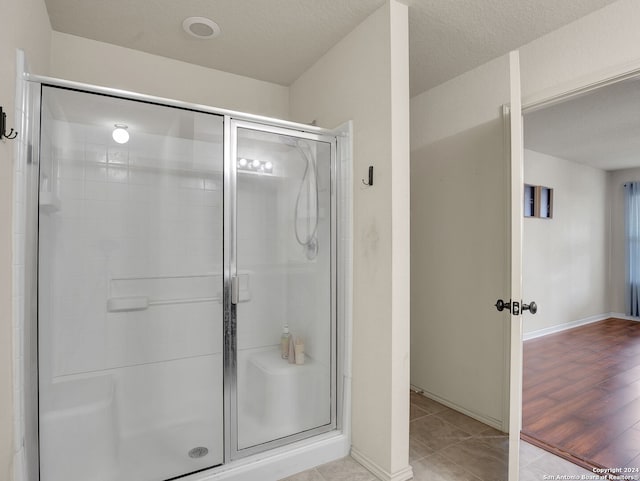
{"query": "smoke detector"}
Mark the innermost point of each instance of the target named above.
(201, 27)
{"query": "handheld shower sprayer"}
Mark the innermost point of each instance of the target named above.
(309, 239)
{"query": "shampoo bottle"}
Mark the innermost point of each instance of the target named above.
(285, 339)
(299, 350)
(292, 352)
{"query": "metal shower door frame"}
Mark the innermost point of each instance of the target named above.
(37, 91)
(339, 173)
(231, 126)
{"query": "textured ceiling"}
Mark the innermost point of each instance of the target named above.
(449, 37)
(601, 128)
(277, 40)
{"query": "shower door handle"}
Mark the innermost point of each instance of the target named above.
(235, 289)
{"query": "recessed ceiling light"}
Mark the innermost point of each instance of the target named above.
(201, 27)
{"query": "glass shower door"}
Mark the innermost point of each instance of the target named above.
(130, 288)
(283, 258)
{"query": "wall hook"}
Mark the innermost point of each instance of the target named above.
(370, 180)
(3, 127)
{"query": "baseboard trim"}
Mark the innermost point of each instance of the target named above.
(617, 315)
(568, 325)
(492, 422)
(403, 475)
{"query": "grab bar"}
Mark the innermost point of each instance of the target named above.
(123, 304)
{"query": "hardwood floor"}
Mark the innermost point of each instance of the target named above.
(581, 394)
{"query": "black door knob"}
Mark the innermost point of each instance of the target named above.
(501, 305)
(532, 308)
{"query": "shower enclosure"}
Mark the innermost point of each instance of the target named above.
(172, 253)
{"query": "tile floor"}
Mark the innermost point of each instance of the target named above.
(448, 446)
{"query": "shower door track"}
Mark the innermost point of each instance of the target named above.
(129, 95)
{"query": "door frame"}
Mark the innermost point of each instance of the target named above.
(546, 98)
(579, 86)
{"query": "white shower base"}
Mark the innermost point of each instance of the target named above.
(168, 448)
(83, 422)
(281, 462)
(126, 426)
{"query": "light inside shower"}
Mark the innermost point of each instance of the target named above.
(255, 165)
(120, 133)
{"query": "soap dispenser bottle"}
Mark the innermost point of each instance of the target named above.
(285, 339)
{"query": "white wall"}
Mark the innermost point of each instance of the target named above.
(463, 102)
(606, 39)
(365, 78)
(566, 258)
(616, 181)
(459, 251)
(24, 25)
(98, 63)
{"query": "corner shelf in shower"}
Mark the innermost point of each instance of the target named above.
(49, 202)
